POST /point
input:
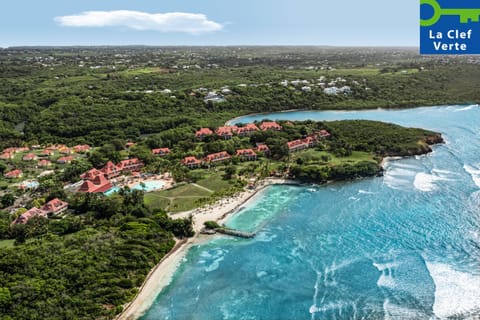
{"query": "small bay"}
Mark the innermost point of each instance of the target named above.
(402, 246)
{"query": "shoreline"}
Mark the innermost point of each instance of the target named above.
(162, 274)
(229, 122)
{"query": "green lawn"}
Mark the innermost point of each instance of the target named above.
(181, 198)
(314, 156)
(141, 71)
(183, 204)
(6, 244)
(184, 190)
(185, 196)
(154, 201)
(214, 181)
(356, 156)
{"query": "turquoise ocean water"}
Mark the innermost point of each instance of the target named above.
(402, 246)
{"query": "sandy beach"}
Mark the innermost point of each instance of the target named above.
(161, 275)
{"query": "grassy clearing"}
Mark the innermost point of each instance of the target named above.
(181, 198)
(185, 197)
(214, 181)
(183, 204)
(6, 244)
(186, 190)
(141, 71)
(312, 156)
(154, 201)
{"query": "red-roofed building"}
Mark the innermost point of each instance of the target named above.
(14, 174)
(110, 170)
(99, 184)
(44, 163)
(270, 125)
(9, 150)
(46, 153)
(15, 149)
(226, 132)
(161, 152)
(65, 150)
(6, 156)
(56, 147)
(33, 212)
(129, 165)
(91, 174)
(55, 206)
(247, 154)
(81, 148)
(311, 141)
(297, 145)
(128, 145)
(247, 129)
(29, 157)
(217, 157)
(324, 133)
(21, 149)
(203, 133)
(262, 147)
(192, 162)
(64, 160)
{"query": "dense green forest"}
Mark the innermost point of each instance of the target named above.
(375, 138)
(85, 266)
(93, 95)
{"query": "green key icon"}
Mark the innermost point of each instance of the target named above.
(466, 15)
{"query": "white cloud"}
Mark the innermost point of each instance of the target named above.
(164, 22)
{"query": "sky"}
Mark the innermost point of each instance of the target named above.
(209, 22)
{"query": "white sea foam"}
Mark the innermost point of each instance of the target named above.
(339, 305)
(206, 255)
(394, 312)
(474, 235)
(214, 258)
(402, 165)
(398, 177)
(466, 108)
(427, 182)
(456, 292)
(261, 274)
(444, 172)
(424, 182)
(265, 237)
(399, 171)
(313, 308)
(365, 192)
(474, 173)
(396, 183)
(386, 278)
(214, 265)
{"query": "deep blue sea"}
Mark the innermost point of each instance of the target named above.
(402, 246)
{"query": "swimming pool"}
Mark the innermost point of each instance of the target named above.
(111, 191)
(148, 186)
(30, 184)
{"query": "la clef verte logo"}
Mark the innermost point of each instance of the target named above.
(449, 27)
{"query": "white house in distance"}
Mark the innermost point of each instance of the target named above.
(330, 90)
(213, 97)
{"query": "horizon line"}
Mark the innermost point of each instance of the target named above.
(208, 45)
